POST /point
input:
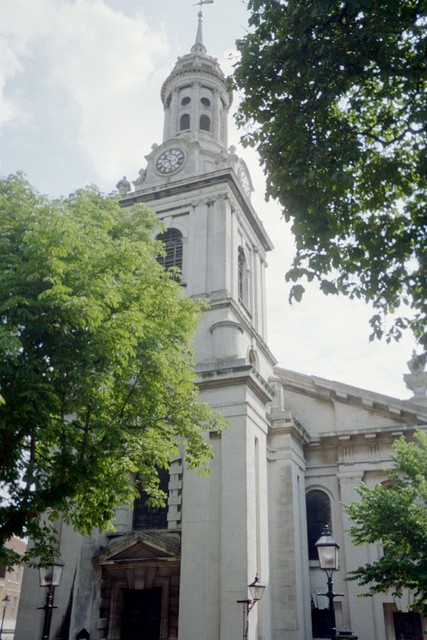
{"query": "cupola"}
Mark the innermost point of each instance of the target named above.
(195, 95)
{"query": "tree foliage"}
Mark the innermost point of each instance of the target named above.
(395, 515)
(335, 102)
(96, 371)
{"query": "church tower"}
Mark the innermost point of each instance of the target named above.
(201, 191)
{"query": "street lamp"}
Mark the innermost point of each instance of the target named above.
(256, 590)
(327, 550)
(50, 577)
(4, 603)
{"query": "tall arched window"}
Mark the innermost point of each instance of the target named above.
(184, 123)
(172, 240)
(145, 517)
(242, 277)
(205, 123)
(318, 507)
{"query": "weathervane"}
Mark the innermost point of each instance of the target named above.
(200, 13)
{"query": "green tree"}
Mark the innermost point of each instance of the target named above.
(335, 103)
(395, 515)
(96, 371)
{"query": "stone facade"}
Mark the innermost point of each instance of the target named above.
(184, 573)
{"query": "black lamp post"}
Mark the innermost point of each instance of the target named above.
(327, 549)
(256, 590)
(4, 603)
(50, 577)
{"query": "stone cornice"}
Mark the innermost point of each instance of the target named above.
(204, 182)
(284, 423)
(232, 373)
(343, 438)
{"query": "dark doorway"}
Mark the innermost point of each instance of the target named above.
(141, 614)
(407, 626)
(321, 623)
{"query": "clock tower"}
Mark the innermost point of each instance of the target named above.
(183, 572)
(200, 189)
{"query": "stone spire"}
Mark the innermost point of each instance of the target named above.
(198, 46)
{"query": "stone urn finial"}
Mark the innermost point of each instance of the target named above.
(416, 380)
(123, 186)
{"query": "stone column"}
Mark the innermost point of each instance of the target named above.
(358, 613)
(173, 115)
(195, 108)
(289, 578)
(216, 115)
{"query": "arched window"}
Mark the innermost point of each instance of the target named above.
(172, 240)
(184, 123)
(318, 507)
(242, 277)
(145, 517)
(205, 123)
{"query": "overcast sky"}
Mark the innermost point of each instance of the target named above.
(79, 104)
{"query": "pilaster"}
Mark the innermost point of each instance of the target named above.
(288, 535)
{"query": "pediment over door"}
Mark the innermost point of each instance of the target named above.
(139, 547)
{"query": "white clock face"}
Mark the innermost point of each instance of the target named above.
(170, 161)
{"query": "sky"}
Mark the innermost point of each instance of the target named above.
(80, 104)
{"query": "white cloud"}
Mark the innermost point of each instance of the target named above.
(100, 57)
(22, 23)
(9, 66)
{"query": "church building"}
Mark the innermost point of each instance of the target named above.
(297, 446)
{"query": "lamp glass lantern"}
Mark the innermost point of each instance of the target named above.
(327, 550)
(50, 576)
(256, 589)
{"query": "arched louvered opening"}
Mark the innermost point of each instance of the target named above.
(172, 240)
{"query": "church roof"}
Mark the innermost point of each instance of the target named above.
(404, 411)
